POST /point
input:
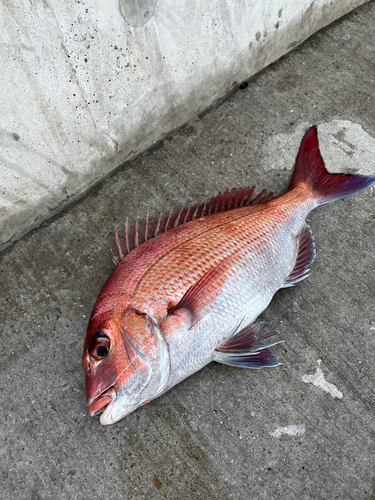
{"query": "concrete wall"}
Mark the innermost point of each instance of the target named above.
(87, 84)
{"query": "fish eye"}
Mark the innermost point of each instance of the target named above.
(99, 347)
(101, 351)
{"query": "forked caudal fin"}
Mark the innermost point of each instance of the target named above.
(310, 169)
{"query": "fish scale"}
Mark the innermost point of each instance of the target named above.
(250, 285)
(188, 290)
(186, 258)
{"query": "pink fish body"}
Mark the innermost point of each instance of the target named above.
(188, 290)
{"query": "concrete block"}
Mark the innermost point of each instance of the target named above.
(85, 85)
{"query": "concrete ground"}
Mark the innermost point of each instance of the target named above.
(304, 430)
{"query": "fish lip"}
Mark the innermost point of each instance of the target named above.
(101, 403)
(107, 418)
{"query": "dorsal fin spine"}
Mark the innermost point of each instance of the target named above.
(259, 195)
(177, 219)
(136, 230)
(157, 226)
(168, 220)
(239, 199)
(212, 206)
(186, 218)
(222, 202)
(119, 246)
(127, 230)
(146, 229)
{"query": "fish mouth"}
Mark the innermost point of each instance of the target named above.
(100, 403)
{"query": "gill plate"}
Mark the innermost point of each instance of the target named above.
(164, 357)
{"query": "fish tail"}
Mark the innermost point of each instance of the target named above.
(326, 187)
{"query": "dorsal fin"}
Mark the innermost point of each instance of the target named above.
(134, 237)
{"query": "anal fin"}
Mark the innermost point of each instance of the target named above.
(247, 349)
(305, 257)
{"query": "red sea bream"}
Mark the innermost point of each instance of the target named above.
(188, 290)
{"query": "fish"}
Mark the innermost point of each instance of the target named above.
(188, 290)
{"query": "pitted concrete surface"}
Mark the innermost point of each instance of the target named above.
(304, 430)
(86, 86)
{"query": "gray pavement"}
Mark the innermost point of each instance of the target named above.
(304, 430)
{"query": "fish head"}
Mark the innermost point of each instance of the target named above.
(119, 356)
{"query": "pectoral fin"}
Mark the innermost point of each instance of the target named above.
(305, 257)
(201, 295)
(247, 349)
